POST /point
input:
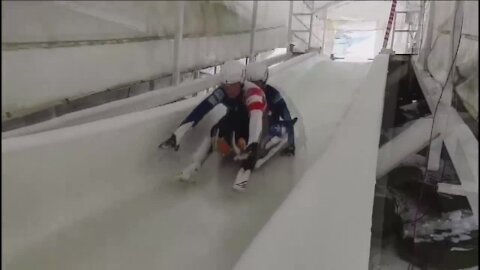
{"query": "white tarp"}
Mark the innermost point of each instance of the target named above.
(36, 78)
(441, 54)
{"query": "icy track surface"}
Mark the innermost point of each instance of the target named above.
(102, 196)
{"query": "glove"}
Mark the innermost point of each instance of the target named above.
(170, 143)
(289, 151)
(251, 159)
(250, 151)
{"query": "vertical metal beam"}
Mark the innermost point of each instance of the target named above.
(311, 26)
(444, 107)
(428, 38)
(435, 152)
(408, 38)
(178, 42)
(419, 33)
(393, 32)
(408, 142)
(456, 34)
(324, 30)
(252, 32)
(289, 33)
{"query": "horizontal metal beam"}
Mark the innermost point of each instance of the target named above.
(462, 190)
(13, 46)
(329, 5)
(306, 31)
(405, 31)
(412, 11)
(302, 14)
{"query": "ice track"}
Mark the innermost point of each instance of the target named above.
(101, 195)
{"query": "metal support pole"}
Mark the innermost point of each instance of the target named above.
(408, 142)
(311, 27)
(393, 32)
(428, 38)
(407, 44)
(419, 34)
(324, 30)
(252, 32)
(289, 33)
(445, 104)
(434, 157)
(178, 43)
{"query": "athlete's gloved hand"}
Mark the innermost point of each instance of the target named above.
(170, 143)
(289, 151)
(251, 149)
(248, 152)
(251, 159)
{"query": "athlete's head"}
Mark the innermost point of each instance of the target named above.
(232, 76)
(257, 73)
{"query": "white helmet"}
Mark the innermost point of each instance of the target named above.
(232, 72)
(257, 72)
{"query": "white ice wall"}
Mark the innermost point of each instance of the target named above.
(57, 180)
(137, 103)
(80, 188)
(325, 222)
